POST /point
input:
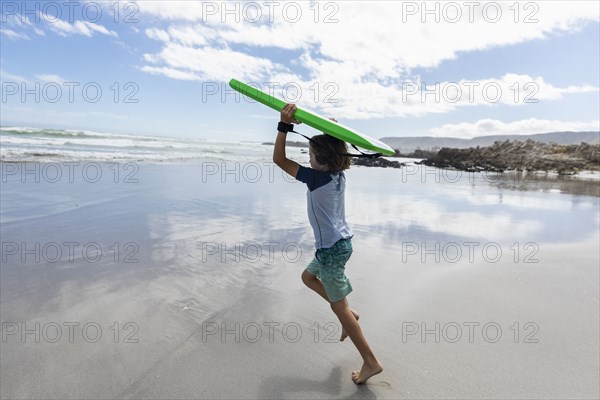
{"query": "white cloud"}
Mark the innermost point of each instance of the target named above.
(10, 34)
(157, 34)
(16, 20)
(50, 78)
(375, 33)
(368, 53)
(8, 77)
(527, 126)
(84, 28)
(173, 10)
(57, 25)
(171, 73)
(509, 89)
(23, 21)
(210, 63)
(434, 217)
(195, 35)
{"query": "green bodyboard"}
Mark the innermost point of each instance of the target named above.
(316, 121)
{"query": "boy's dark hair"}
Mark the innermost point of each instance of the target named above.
(330, 151)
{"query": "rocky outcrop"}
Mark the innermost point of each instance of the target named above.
(520, 156)
(376, 162)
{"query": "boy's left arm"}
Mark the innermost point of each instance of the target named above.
(279, 157)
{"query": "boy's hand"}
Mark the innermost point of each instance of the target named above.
(287, 114)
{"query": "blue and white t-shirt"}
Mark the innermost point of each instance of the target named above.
(325, 198)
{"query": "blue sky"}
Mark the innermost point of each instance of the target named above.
(170, 53)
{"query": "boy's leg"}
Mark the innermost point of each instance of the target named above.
(371, 365)
(315, 284)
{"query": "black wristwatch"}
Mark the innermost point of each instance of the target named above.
(285, 127)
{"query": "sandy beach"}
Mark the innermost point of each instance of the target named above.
(183, 281)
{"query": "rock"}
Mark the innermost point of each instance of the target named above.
(376, 162)
(521, 156)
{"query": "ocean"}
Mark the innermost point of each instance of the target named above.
(27, 144)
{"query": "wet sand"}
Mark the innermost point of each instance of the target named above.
(186, 284)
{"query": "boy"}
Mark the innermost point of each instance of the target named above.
(325, 273)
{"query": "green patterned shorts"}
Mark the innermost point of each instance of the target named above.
(328, 266)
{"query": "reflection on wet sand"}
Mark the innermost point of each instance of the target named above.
(548, 183)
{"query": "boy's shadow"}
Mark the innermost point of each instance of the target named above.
(279, 387)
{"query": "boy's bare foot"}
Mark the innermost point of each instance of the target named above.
(367, 371)
(344, 334)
